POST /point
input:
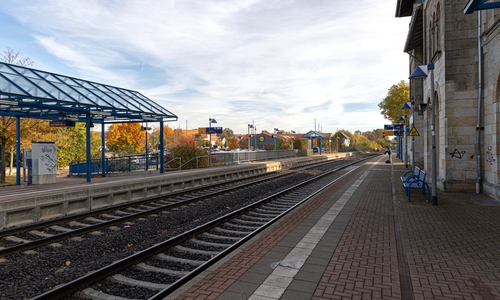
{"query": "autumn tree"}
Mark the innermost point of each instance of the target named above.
(227, 133)
(300, 143)
(283, 143)
(7, 124)
(397, 95)
(126, 138)
(232, 143)
(72, 144)
(71, 141)
(187, 149)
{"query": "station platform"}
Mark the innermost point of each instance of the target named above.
(23, 204)
(364, 240)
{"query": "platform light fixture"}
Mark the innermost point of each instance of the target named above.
(275, 136)
(148, 118)
(248, 135)
(98, 112)
(4, 102)
(210, 121)
(422, 72)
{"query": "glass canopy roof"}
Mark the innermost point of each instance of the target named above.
(30, 93)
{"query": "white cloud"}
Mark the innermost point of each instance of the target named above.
(279, 63)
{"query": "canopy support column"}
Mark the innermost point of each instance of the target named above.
(89, 160)
(103, 150)
(162, 148)
(18, 151)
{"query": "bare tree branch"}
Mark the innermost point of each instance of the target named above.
(10, 56)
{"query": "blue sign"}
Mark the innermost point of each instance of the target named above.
(399, 132)
(399, 126)
(212, 130)
(389, 127)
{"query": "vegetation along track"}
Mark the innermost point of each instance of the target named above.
(125, 249)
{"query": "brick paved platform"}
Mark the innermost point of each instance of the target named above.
(364, 240)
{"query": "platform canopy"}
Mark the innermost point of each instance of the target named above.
(313, 134)
(30, 93)
(473, 5)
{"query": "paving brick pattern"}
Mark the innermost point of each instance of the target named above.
(364, 264)
(452, 249)
(216, 282)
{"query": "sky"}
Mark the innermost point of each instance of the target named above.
(300, 65)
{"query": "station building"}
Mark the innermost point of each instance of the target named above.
(465, 51)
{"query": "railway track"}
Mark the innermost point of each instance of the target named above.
(29, 237)
(180, 253)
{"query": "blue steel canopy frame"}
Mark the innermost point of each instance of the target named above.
(473, 5)
(31, 93)
(310, 135)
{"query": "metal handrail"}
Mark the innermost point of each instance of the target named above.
(173, 159)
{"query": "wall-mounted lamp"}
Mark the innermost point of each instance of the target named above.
(422, 107)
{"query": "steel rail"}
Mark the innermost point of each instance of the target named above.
(58, 220)
(76, 232)
(94, 227)
(65, 289)
(37, 225)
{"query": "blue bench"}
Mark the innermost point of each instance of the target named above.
(415, 172)
(416, 182)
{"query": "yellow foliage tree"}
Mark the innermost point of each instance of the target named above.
(126, 138)
(397, 95)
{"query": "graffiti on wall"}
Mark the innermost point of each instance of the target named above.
(457, 154)
(490, 156)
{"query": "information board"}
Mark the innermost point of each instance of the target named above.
(209, 130)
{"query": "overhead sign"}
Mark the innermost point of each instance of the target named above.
(209, 130)
(62, 123)
(399, 127)
(414, 131)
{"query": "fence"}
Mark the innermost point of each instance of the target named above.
(117, 164)
(140, 162)
(235, 157)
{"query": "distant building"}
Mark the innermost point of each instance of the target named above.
(345, 140)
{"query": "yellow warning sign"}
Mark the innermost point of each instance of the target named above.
(414, 131)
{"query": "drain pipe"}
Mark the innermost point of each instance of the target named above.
(479, 94)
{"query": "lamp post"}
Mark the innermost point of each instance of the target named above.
(412, 123)
(249, 126)
(408, 105)
(255, 137)
(275, 136)
(210, 121)
(146, 128)
(405, 143)
(422, 72)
